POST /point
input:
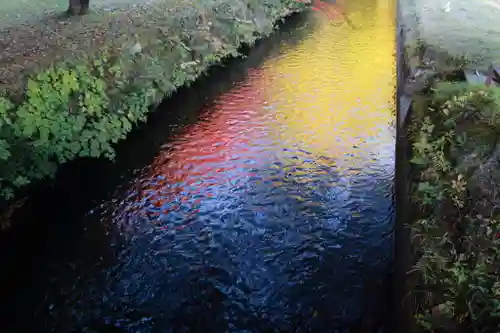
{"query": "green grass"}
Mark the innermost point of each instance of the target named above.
(13, 12)
(470, 28)
(19, 11)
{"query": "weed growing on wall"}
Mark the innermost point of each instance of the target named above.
(457, 243)
(65, 114)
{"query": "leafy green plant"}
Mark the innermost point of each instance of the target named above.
(458, 250)
(65, 114)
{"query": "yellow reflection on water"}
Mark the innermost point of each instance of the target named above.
(335, 92)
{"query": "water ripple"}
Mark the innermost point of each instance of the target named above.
(272, 213)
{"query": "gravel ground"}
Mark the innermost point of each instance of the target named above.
(44, 39)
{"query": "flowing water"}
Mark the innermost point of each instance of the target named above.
(267, 210)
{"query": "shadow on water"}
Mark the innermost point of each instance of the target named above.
(258, 200)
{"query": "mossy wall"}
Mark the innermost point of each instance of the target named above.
(82, 105)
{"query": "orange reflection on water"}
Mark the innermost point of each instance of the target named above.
(210, 153)
(331, 96)
(333, 11)
(336, 89)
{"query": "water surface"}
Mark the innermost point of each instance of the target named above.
(270, 212)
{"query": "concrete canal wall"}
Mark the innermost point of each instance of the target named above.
(403, 304)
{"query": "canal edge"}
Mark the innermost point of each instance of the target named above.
(402, 303)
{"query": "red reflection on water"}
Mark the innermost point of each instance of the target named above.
(207, 155)
(333, 10)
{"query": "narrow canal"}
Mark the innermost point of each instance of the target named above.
(265, 207)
